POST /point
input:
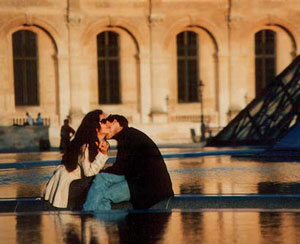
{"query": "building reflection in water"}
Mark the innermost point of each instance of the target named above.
(203, 175)
(225, 175)
(270, 226)
(278, 188)
(157, 227)
(24, 183)
(37, 156)
(29, 229)
(192, 223)
(28, 191)
(190, 189)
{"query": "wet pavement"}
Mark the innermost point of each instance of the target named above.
(209, 176)
(215, 227)
(198, 175)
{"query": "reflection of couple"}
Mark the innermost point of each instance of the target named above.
(113, 227)
(139, 174)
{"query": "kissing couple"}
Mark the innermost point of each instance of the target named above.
(83, 180)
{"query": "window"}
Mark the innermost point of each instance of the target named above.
(187, 67)
(25, 68)
(108, 68)
(265, 58)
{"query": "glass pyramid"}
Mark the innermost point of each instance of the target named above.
(269, 116)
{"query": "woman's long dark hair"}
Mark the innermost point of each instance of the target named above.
(85, 134)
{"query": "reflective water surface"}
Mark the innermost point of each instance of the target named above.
(201, 175)
(160, 227)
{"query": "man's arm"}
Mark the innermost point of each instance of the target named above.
(120, 166)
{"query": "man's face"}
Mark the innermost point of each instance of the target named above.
(113, 128)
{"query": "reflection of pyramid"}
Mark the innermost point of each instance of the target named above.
(269, 116)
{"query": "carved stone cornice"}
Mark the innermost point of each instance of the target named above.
(74, 19)
(28, 19)
(156, 19)
(25, 3)
(121, 4)
(102, 4)
(235, 21)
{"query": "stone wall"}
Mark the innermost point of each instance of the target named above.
(19, 138)
(66, 33)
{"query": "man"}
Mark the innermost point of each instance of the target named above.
(66, 132)
(29, 120)
(39, 120)
(139, 173)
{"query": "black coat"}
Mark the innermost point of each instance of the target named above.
(140, 161)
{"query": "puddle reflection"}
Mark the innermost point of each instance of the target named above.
(159, 227)
(118, 227)
(32, 156)
(24, 183)
(203, 175)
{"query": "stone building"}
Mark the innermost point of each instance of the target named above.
(143, 59)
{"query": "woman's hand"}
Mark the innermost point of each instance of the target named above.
(103, 146)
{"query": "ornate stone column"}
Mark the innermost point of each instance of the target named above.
(158, 69)
(62, 64)
(74, 21)
(224, 91)
(7, 103)
(145, 87)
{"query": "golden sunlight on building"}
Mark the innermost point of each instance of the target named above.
(143, 59)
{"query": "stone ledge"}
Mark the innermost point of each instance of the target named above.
(24, 137)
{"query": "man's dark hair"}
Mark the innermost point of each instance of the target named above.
(120, 118)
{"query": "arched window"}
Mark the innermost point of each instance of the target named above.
(187, 67)
(265, 58)
(108, 68)
(25, 68)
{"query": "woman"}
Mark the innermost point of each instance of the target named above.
(85, 156)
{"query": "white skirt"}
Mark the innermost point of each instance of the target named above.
(57, 188)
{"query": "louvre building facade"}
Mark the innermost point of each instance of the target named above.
(143, 59)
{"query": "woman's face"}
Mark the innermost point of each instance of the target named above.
(102, 116)
(104, 130)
